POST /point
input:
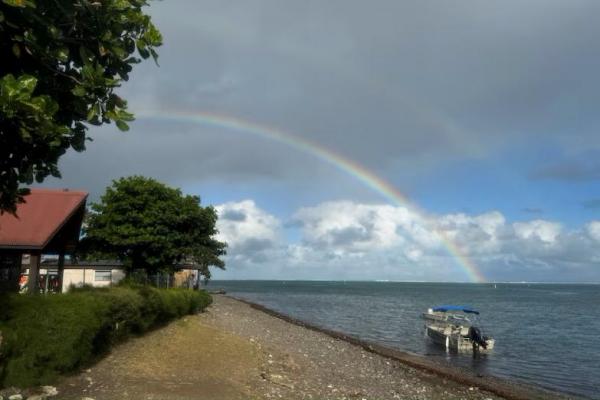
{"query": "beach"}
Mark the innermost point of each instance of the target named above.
(236, 351)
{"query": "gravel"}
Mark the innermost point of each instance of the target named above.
(305, 364)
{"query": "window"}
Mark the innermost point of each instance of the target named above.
(103, 276)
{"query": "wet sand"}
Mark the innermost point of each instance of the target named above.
(236, 350)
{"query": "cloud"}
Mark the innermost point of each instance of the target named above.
(353, 227)
(593, 229)
(476, 234)
(544, 231)
(249, 231)
(533, 210)
(591, 204)
(569, 171)
(233, 215)
(373, 241)
(378, 84)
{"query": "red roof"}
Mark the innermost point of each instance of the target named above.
(40, 218)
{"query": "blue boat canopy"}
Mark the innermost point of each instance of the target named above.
(455, 308)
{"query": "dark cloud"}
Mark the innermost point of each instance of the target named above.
(591, 204)
(348, 235)
(233, 215)
(404, 85)
(569, 171)
(533, 210)
(252, 246)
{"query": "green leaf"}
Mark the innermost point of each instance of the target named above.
(63, 54)
(27, 83)
(125, 116)
(122, 125)
(118, 51)
(25, 135)
(91, 113)
(87, 72)
(79, 91)
(154, 56)
(16, 50)
(9, 86)
(143, 52)
(153, 36)
(54, 32)
(120, 4)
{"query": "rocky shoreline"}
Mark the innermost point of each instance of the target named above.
(501, 387)
(236, 350)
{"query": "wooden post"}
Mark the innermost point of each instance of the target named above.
(34, 273)
(61, 270)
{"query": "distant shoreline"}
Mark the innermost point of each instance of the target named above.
(502, 387)
(393, 281)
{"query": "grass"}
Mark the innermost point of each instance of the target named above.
(46, 336)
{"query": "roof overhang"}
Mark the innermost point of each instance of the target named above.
(48, 221)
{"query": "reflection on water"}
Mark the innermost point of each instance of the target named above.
(548, 335)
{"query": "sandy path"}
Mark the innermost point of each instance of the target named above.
(233, 351)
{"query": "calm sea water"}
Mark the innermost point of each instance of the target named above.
(546, 335)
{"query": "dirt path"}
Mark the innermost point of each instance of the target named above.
(236, 352)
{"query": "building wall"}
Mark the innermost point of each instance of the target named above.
(87, 276)
(185, 278)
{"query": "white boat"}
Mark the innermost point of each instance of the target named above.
(450, 327)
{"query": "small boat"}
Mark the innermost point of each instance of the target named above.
(451, 327)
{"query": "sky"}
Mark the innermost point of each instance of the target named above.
(383, 140)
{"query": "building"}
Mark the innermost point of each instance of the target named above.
(77, 274)
(110, 272)
(47, 223)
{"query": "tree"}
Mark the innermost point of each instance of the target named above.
(150, 226)
(61, 63)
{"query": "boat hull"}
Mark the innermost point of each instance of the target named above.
(453, 339)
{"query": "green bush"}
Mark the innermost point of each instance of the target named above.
(45, 336)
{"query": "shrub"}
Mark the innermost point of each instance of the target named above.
(45, 336)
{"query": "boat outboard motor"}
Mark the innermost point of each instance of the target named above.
(476, 336)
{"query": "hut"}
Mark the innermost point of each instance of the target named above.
(48, 222)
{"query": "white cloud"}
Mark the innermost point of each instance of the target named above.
(545, 231)
(474, 234)
(593, 229)
(348, 240)
(248, 230)
(351, 227)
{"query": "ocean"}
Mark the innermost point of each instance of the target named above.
(547, 335)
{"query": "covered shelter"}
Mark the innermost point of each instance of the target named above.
(47, 223)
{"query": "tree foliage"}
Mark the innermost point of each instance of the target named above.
(150, 226)
(61, 61)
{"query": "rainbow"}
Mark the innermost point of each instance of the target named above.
(337, 161)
